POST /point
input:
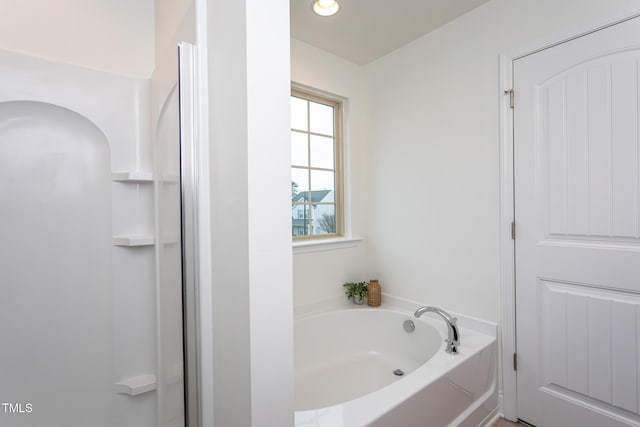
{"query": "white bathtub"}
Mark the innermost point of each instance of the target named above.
(345, 361)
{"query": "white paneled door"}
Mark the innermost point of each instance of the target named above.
(577, 211)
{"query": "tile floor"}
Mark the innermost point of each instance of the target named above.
(504, 423)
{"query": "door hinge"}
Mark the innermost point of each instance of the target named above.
(513, 230)
(515, 361)
(511, 94)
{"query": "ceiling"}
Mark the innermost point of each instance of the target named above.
(364, 30)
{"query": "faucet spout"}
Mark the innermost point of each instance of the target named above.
(453, 339)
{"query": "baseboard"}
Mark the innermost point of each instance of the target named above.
(491, 418)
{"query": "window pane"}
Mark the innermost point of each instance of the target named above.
(321, 118)
(321, 152)
(300, 220)
(299, 149)
(298, 113)
(322, 181)
(299, 185)
(324, 219)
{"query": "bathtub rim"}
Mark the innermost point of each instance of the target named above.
(476, 336)
(393, 303)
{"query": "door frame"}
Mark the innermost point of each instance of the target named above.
(508, 400)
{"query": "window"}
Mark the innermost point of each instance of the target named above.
(316, 166)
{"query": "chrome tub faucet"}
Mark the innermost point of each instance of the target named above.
(453, 340)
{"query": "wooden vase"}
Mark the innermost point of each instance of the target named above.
(374, 294)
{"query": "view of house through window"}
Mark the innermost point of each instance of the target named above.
(315, 166)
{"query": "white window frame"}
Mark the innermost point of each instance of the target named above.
(339, 143)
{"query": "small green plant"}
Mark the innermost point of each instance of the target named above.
(356, 290)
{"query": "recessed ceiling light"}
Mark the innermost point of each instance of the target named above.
(325, 7)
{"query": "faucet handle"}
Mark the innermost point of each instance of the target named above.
(452, 346)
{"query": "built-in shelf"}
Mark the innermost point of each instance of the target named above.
(133, 240)
(132, 176)
(136, 385)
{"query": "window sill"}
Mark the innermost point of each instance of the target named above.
(325, 244)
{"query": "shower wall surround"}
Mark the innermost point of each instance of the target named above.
(81, 302)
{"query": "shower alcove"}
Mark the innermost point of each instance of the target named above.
(82, 318)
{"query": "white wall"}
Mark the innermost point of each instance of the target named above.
(248, 78)
(173, 17)
(320, 275)
(108, 35)
(433, 153)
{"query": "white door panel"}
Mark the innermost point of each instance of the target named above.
(577, 208)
